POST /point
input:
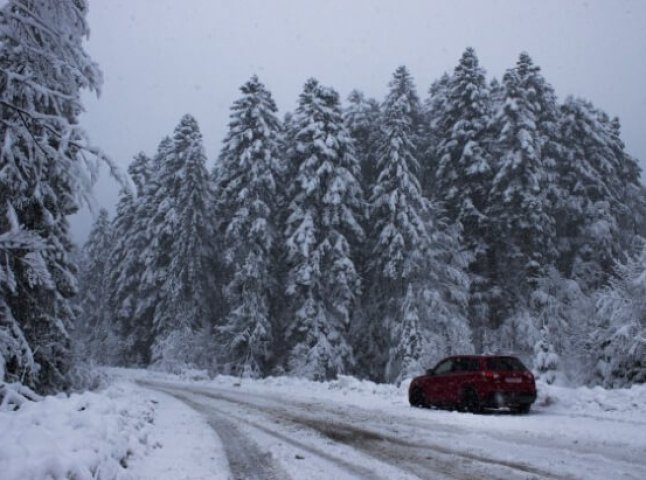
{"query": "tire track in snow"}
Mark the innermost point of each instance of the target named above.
(246, 460)
(421, 460)
(605, 454)
(237, 450)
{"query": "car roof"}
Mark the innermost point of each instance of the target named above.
(480, 356)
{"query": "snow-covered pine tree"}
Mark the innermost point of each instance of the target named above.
(176, 282)
(124, 270)
(496, 94)
(16, 356)
(416, 278)
(361, 116)
(45, 171)
(595, 175)
(408, 342)
(95, 329)
(127, 260)
(631, 192)
(121, 297)
(322, 232)
(519, 204)
(463, 175)
(248, 174)
(464, 172)
(618, 345)
(434, 111)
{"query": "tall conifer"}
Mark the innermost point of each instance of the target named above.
(248, 177)
(323, 229)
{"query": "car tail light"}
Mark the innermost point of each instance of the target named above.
(489, 375)
(528, 376)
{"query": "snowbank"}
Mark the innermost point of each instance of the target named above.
(123, 432)
(84, 436)
(597, 400)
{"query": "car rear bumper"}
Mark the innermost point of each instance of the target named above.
(507, 399)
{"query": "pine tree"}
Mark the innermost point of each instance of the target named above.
(16, 356)
(464, 172)
(407, 349)
(46, 174)
(496, 94)
(524, 225)
(412, 264)
(124, 269)
(175, 283)
(323, 229)
(95, 330)
(127, 262)
(463, 176)
(595, 175)
(362, 120)
(434, 111)
(249, 171)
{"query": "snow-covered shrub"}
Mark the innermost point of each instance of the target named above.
(619, 340)
(518, 332)
(183, 350)
(86, 376)
(546, 361)
(14, 395)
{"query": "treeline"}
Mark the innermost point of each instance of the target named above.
(370, 239)
(376, 238)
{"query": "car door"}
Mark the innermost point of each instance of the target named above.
(435, 385)
(455, 379)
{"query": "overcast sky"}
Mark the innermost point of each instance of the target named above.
(164, 58)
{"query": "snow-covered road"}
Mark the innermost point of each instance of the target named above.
(282, 433)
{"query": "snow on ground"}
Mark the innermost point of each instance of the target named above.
(122, 432)
(572, 432)
(187, 426)
(624, 403)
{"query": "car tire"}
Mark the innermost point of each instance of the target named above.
(470, 401)
(523, 409)
(417, 398)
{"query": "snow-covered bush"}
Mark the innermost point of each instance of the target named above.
(14, 395)
(619, 341)
(183, 350)
(546, 361)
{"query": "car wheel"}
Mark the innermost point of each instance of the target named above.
(417, 398)
(523, 408)
(470, 401)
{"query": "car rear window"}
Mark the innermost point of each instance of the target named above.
(505, 364)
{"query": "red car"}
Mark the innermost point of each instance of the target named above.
(474, 383)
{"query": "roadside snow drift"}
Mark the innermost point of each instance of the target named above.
(122, 432)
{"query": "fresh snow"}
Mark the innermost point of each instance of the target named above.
(163, 426)
(123, 432)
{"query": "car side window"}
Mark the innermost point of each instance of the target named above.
(444, 367)
(459, 365)
(465, 365)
